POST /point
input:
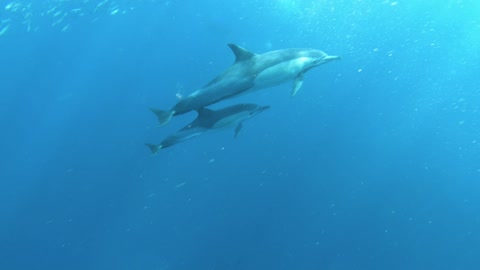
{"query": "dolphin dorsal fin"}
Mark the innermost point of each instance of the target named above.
(204, 112)
(240, 53)
(204, 118)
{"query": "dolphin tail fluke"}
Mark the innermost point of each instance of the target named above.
(154, 148)
(163, 116)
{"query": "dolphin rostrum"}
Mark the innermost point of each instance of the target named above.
(209, 120)
(250, 72)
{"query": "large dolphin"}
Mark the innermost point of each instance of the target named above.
(210, 120)
(250, 72)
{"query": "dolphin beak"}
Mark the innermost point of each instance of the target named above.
(263, 108)
(329, 58)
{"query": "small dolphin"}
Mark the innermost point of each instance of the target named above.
(248, 73)
(209, 120)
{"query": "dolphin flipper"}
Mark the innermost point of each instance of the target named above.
(154, 147)
(297, 83)
(163, 116)
(237, 129)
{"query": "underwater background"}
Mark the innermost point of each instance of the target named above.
(374, 164)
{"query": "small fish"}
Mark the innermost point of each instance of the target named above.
(12, 6)
(180, 185)
(65, 28)
(4, 29)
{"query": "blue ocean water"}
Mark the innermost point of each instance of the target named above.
(374, 164)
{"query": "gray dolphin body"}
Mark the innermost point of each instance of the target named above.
(250, 72)
(210, 120)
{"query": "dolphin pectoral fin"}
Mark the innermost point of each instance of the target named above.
(163, 116)
(154, 148)
(237, 129)
(297, 83)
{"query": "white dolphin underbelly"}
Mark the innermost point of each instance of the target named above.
(280, 73)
